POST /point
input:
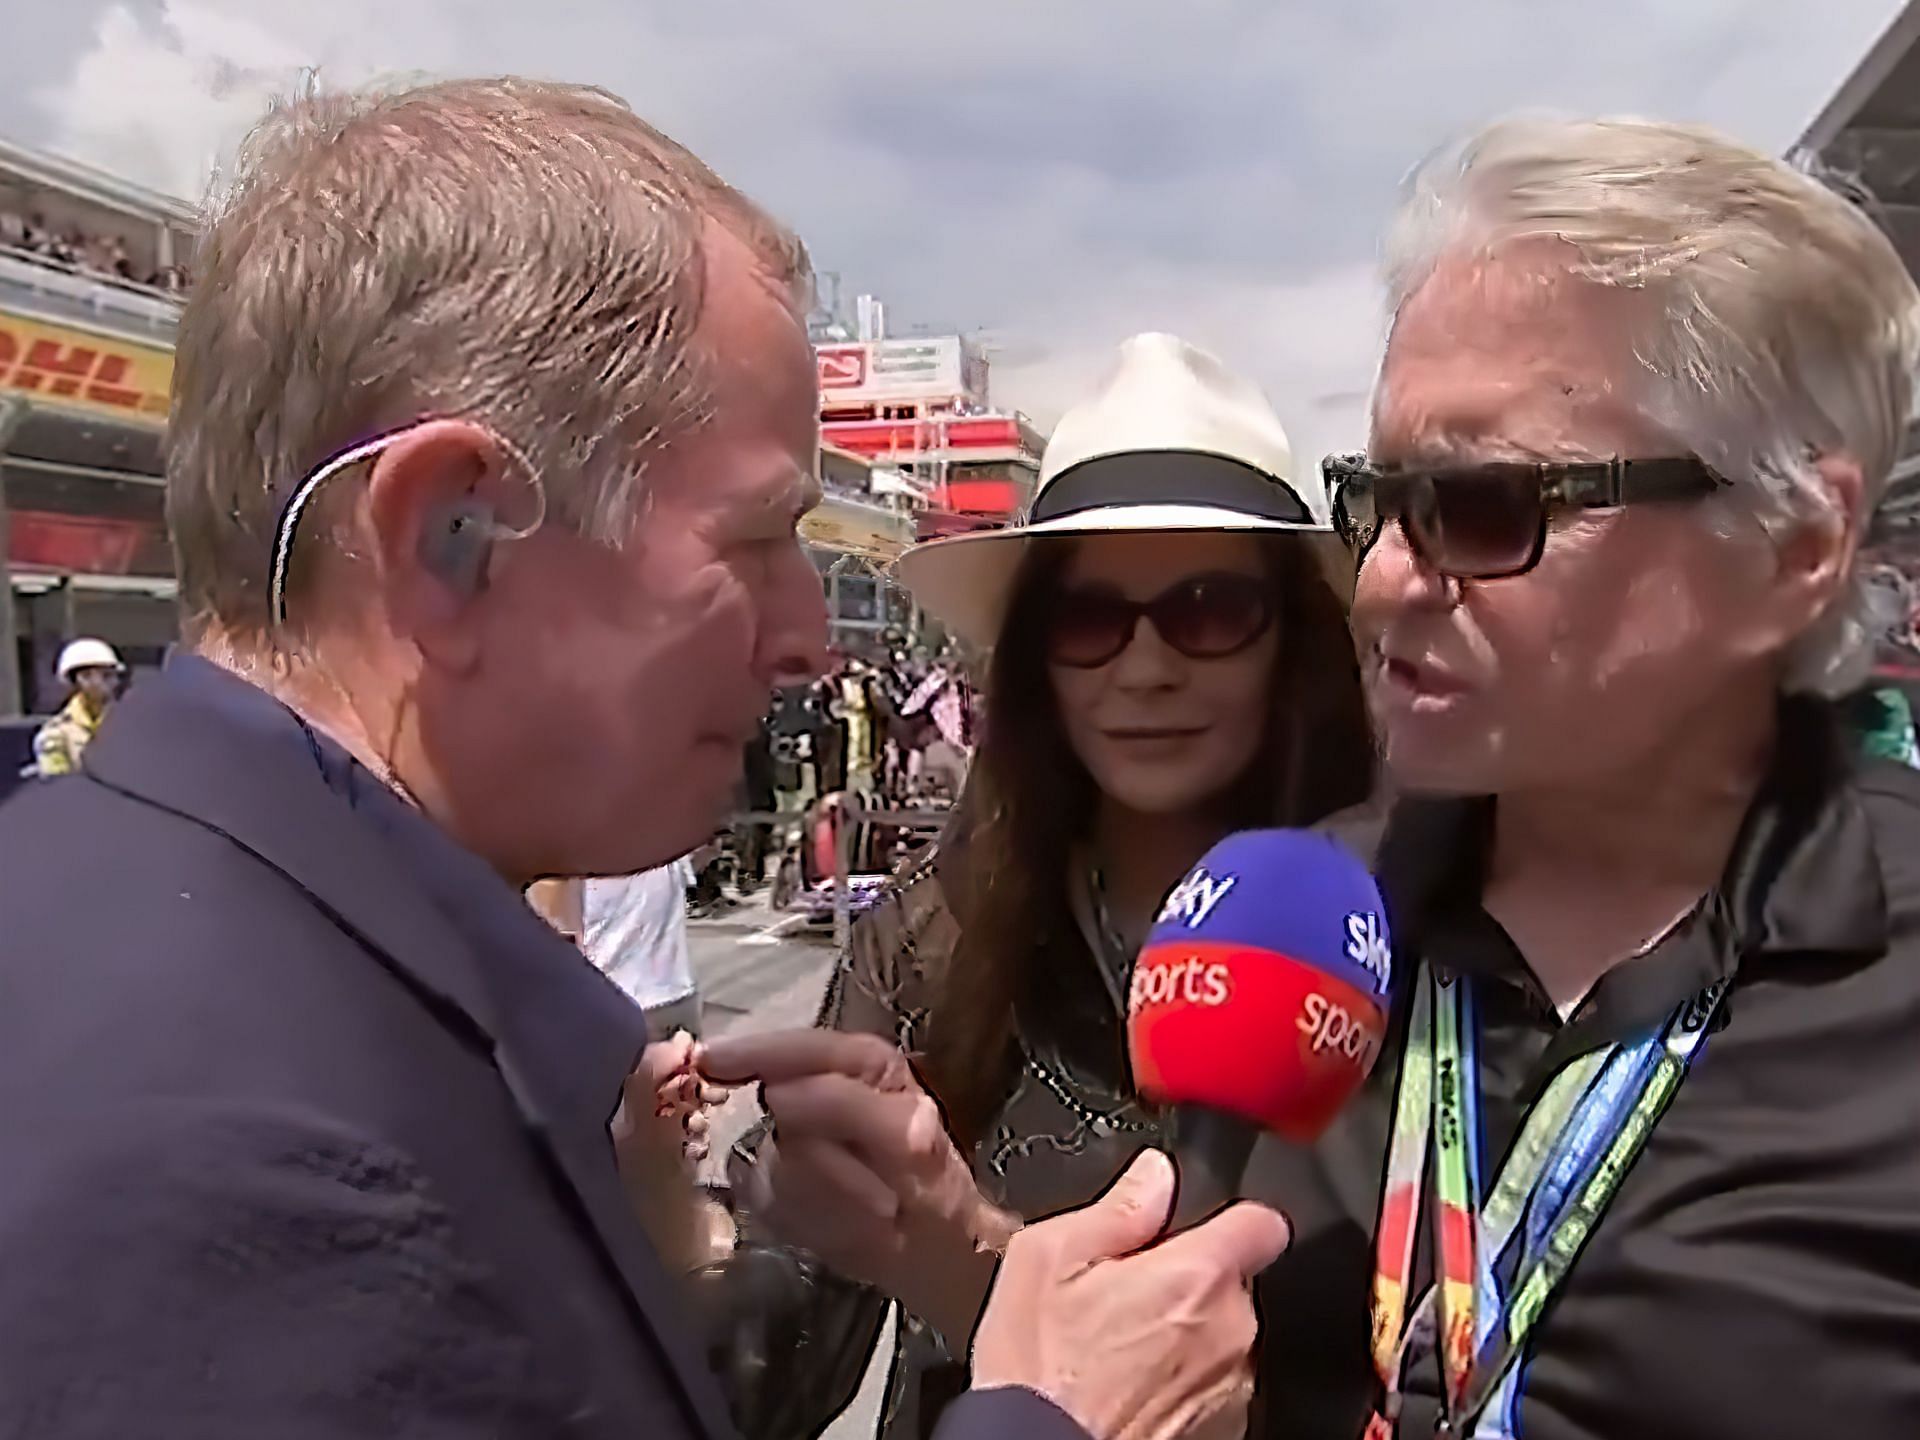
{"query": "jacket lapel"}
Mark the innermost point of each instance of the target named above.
(212, 749)
(215, 750)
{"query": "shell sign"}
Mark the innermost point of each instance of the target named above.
(62, 366)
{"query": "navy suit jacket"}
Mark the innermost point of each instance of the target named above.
(303, 1117)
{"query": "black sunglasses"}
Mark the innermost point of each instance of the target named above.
(1488, 522)
(1204, 617)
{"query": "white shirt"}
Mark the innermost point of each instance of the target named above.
(635, 930)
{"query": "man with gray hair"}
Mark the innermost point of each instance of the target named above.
(1654, 1083)
(494, 418)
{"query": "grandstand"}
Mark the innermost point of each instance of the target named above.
(91, 271)
(1868, 137)
(92, 274)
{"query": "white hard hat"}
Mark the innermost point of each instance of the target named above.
(87, 655)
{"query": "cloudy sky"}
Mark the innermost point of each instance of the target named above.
(1054, 173)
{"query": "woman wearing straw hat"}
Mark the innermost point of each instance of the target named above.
(1169, 661)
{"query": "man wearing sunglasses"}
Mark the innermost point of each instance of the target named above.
(1654, 1079)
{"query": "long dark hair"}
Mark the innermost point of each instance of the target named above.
(1028, 799)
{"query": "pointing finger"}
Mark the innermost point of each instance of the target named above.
(777, 1056)
(895, 1130)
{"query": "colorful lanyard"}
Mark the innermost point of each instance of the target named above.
(1500, 1262)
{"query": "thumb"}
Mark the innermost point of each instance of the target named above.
(1246, 1237)
(662, 1060)
(1133, 1211)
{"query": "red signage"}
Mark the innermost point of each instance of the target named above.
(930, 368)
(841, 367)
(999, 499)
(80, 544)
(881, 439)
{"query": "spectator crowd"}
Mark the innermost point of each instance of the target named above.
(72, 249)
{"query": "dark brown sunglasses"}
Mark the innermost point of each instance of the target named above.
(1204, 617)
(1488, 522)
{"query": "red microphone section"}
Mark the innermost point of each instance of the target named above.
(1250, 1033)
(1259, 1002)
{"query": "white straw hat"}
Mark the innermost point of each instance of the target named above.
(1173, 440)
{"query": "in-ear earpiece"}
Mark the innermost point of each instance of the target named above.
(456, 545)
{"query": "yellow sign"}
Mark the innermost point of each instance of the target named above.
(853, 527)
(121, 378)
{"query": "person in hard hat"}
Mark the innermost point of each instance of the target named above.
(93, 669)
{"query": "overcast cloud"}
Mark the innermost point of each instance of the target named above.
(1055, 173)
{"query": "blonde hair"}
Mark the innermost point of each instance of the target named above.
(1787, 325)
(525, 254)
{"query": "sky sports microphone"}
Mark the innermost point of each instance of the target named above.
(1258, 1003)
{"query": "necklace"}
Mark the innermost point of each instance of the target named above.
(1099, 1122)
(1114, 1114)
(1090, 1123)
(1112, 955)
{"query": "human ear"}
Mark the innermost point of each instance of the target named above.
(431, 502)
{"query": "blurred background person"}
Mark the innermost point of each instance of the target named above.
(759, 794)
(1879, 714)
(828, 736)
(863, 724)
(936, 725)
(634, 927)
(1881, 719)
(558, 902)
(1170, 662)
(93, 669)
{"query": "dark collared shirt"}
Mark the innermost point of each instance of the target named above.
(1758, 1273)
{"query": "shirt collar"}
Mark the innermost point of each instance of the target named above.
(87, 716)
(1803, 877)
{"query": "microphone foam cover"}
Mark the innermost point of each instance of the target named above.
(1262, 990)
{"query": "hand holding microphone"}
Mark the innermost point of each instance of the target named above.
(1258, 1003)
(1134, 1340)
